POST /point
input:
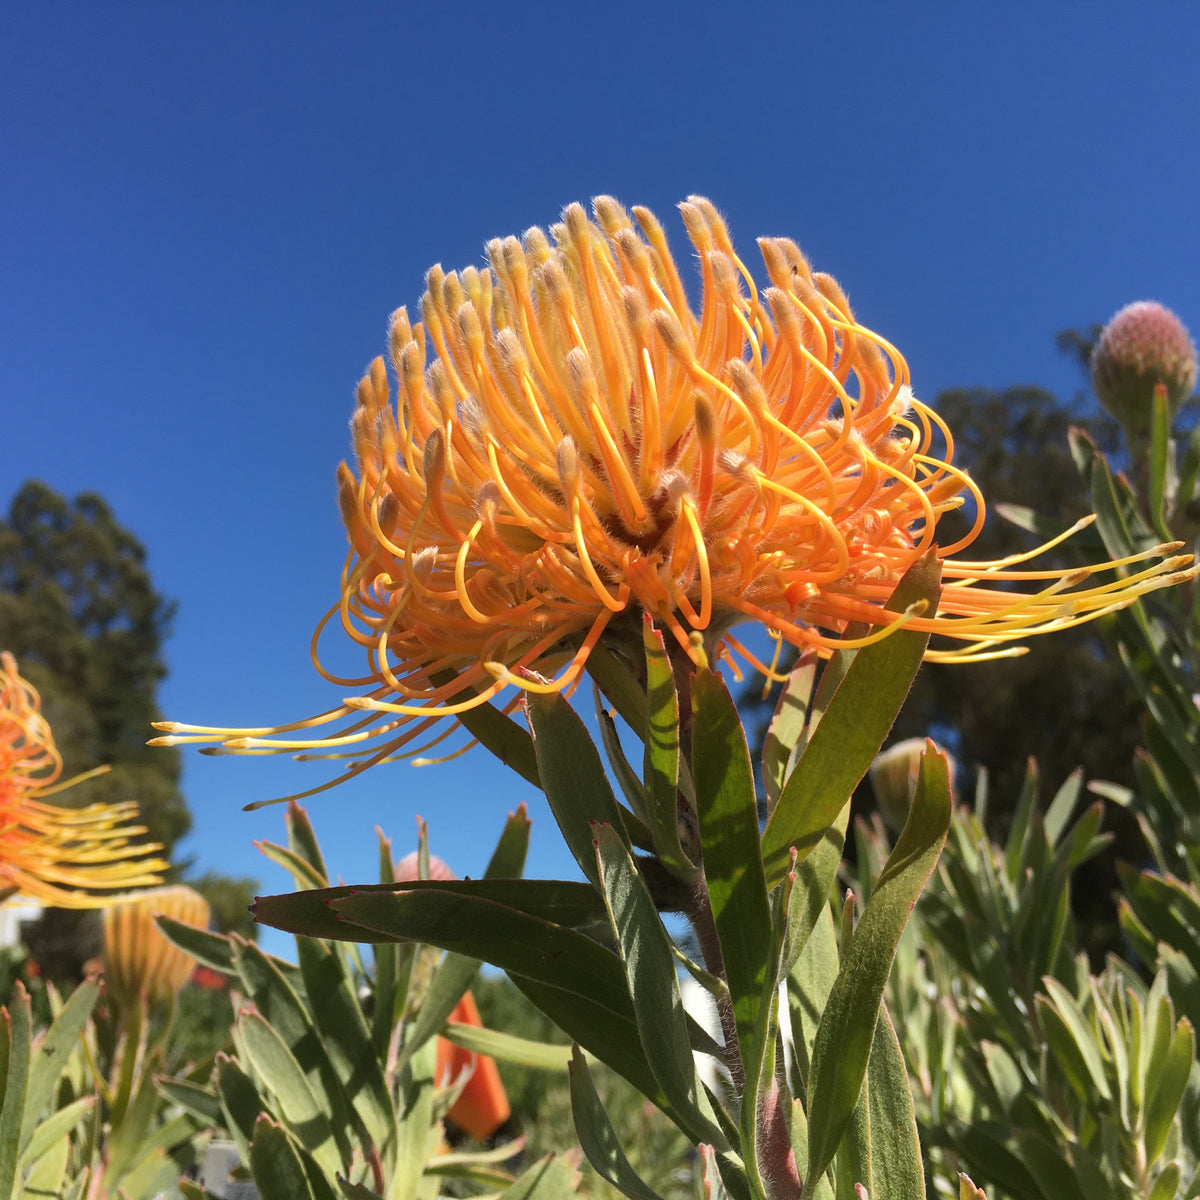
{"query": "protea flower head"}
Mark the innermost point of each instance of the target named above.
(1143, 346)
(63, 857)
(138, 958)
(571, 446)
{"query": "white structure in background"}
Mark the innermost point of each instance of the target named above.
(12, 916)
(700, 1005)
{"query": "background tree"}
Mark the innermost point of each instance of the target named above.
(80, 611)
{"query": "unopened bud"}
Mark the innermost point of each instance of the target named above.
(1143, 345)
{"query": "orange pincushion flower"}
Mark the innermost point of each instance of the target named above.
(571, 446)
(138, 958)
(48, 852)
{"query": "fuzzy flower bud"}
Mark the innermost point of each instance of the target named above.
(894, 778)
(1143, 345)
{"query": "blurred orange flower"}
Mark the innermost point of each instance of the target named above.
(63, 857)
(138, 958)
(572, 446)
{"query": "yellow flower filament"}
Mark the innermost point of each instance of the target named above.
(65, 858)
(572, 444)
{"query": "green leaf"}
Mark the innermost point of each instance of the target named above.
(573, 776)
(852, 729)
(212, 949)
(649, 965)
(568, 903)
(302, 841)
(457, 972)
(343, 1033)
(733, 870)
(504, 738)
(1062, 806)
(507, 1047)
(550, 1178)
(50, 1058)
(1161, 473)
(786, 732)
(613, 677)
(661, 759)
(897, 1172)
(389, 979)
(1086, 1051)
(416, 1124)
(588, 998)
(847, 1026)
(1166, 1186)
(809, 984)
(272, 1062)
(17, 1023)
(275, 1165)
(202, 1102)
(1014, 847)
(808, 887)
(240, 1102)
(280, 1005)
(53, 1127)
(1166, 1089)
(597, 1136)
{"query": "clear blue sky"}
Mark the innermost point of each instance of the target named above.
(207, 213)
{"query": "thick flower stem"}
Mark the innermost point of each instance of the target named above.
(698, 911)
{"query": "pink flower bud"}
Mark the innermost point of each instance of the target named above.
(1144, 345)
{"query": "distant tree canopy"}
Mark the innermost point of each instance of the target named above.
(80, 612)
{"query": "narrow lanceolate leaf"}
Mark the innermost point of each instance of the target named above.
(507, 1047)
(17, 1022)
(506, 739)
(278, 1002)
(51, 1056)
(661, 757)
(273, 1063)
(416, 1123)
(53, 1127)
(275, 1164)
(211, 949)
(733, 870)
(847, 1027)
(807, 890)
(568, 903)
(552, 1178)
(597, 1136)
(579, 984)
(1161, 475)
(240, 1102)
(896, 1169)
(1072, 1042)
(457, 972)
(653, 986)
(1165, 1090)
(573, 777)
(302, 841)
(343, 1032)
(852, 729)
(786, 731)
